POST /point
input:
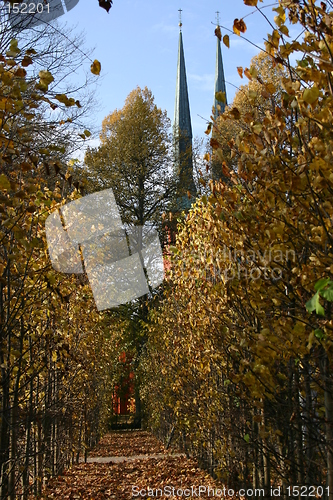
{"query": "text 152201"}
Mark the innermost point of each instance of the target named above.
(28, 8)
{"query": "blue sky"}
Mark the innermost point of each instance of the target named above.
(137, 44)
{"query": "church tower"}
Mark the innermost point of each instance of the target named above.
(182, 133)
(219, 106)
(219, 75)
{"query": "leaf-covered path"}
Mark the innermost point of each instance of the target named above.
(138, 467)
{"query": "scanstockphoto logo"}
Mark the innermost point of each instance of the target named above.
(228, 263)
(118, 262)
(29, 14)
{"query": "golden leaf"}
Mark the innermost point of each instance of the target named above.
(311, 95)
(95, 68)
(284, 30)
(220, 96)
(4, 182)
(45, 77)
(226, 41)
(253, 72)
(270, 88)
(235, 29)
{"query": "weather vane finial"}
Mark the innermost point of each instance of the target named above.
(180, 19)
(217, 18)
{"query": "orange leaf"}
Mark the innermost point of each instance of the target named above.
(236, 30)
(247, 73)
(214, 143)
(240, 71)
(235, 113)
(20, 72)
(209, 128)
(218, 33)
(239, 26)
(26, 61)
(225, 169)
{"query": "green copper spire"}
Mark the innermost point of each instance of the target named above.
(183, 132)
(219, 76)
(182, 105)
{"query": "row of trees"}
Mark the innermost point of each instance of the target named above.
(136, 159)
(59, 366)
(226, 357)
(54, 397)
(235, 366)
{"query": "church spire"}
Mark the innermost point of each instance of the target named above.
(183, 131)
(182, 105)
(219, 74)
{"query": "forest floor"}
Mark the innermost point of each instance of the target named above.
(132, 464)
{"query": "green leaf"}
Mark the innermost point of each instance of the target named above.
(173, 249)
(319, 309)
(327, 294)
(246, 438)
(311, 304)
(314, 305)
(302, 63)
(319, 334)
(321, 284)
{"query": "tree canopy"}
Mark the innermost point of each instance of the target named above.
(134, 159)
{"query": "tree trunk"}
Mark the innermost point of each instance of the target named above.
(328, 403)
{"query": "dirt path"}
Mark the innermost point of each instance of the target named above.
(129, 465)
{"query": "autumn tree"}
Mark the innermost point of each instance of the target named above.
(53, 47)
(51, 392)
(251, 96)
(243, 346)
(133, 159)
